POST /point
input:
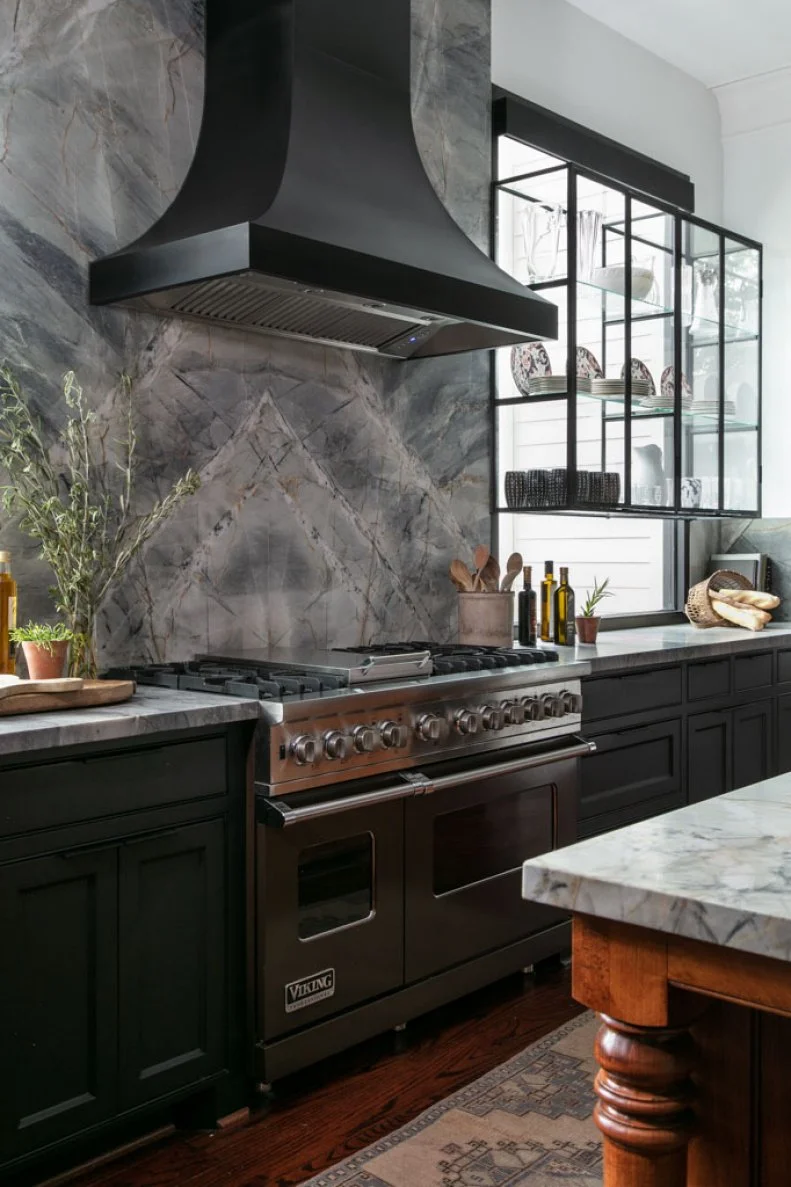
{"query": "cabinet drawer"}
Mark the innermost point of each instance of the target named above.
(631, 767)
(49, 795)
(710, 678)
(753, 671)
(606, 823)
(614, 696)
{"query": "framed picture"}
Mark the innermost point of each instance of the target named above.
(752, 565)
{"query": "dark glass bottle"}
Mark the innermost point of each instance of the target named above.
(548, 586)
(526, 630)
(565, 626)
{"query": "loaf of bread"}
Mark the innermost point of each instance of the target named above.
(746, 597)
(749, 617)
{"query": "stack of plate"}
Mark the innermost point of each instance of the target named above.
(615, 389)
(712, 407)
(547, 385)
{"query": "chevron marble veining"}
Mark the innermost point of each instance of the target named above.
(336, 486)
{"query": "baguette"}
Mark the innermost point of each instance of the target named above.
(746, 616)
(747, 597)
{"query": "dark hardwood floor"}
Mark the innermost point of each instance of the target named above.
(322, 1115)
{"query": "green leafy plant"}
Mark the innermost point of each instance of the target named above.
(75, 499)
(43, 634)
(593, 597)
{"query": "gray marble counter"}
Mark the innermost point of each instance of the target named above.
(718, 871)
(150, 711)
(618, 651)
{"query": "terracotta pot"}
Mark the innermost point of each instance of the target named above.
(587, 629)
(487, 619)
(43, 663)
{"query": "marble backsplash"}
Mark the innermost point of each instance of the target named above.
(772, 537)
(336, 486)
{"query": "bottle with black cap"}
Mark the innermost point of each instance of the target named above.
(526, 623)
(548, 587)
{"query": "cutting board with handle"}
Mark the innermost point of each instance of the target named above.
(46, 696)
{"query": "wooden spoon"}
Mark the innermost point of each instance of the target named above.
(490, 575)
(480, 557)
(513, 568)
(461, 576)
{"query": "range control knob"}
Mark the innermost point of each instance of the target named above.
(336, 744)
(492, 717)
(466, 722)
(393, 735)
(364, 739)
(513, 712)
(429, 727)
(572, 701)
(534, 709)
(303, 750)
(553, 705)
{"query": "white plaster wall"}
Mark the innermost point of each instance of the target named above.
(756, 119)
(553, 54)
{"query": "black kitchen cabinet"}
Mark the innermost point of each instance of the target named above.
(172, 965)
(752, 743)
(122, 944)
(783, 733)
(709, 755)
(634, 773)
(58, 996)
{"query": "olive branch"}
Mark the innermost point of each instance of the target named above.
(80, 512)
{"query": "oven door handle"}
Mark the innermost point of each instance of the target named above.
(280, 814)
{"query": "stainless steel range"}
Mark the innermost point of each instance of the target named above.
(398, 791)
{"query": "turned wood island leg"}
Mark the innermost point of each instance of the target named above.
(644, 1107)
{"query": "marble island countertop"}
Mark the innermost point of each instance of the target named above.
(718, 871)
(150, 711)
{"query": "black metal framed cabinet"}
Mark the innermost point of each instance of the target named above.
(122, 961)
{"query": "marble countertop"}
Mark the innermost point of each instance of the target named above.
(150, 711)
(617, 651)
(718, 871)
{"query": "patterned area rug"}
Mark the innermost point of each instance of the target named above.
(529, 1123)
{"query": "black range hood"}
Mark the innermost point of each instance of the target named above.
(306, 211)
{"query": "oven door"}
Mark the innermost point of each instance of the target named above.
(464, 849)
(330, 909)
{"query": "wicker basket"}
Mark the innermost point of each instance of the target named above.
(699, 609)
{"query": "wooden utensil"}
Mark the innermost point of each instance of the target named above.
(92, 692)
(490, 575)
(480, 557)
(513, 568)
(461, 576)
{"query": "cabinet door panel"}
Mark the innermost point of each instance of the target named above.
(630, 767)
(709, 755)
(58, 995)
(783, 734)
(752, 743)
(172, 960)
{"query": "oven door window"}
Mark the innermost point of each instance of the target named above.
(335, 885)
(491, 837)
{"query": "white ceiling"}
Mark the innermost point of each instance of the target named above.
(716, 41)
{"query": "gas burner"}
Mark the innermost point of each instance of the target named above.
(256, 681)
(451, 658)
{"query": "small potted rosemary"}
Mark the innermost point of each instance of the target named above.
(46, 648)
(587, 620)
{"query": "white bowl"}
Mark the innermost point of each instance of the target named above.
(613, 278)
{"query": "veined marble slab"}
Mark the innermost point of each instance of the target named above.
(718, 871)
(150, 711)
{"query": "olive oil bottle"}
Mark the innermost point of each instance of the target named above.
(565, 627)
(526, 628)
(7, 614)
(548, 586)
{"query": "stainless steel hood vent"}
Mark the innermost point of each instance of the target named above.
(306, 211)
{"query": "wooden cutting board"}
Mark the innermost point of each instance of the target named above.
(93, 692)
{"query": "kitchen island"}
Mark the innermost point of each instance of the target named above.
(682, 942)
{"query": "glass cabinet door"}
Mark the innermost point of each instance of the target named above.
(742, 375)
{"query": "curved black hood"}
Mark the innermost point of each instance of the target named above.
(306, 210)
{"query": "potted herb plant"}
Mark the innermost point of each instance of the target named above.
(45, 646)
(587, 620)
(75, 498)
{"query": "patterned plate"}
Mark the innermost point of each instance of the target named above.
(667, 385)
(587, 364)
(528, 360)
(640, 371)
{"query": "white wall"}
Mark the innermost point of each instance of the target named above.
(756, 125)
(553, 54)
